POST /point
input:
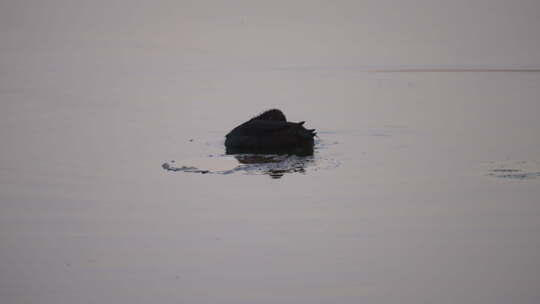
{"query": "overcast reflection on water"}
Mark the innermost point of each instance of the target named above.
(115, 186)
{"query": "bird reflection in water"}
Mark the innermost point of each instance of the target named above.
(269, 143)
(275, 165)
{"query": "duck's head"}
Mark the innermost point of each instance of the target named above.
(273, 114)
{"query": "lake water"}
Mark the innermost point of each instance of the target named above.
(424, 186)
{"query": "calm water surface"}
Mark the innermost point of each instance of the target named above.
(424, 186)
(413, 194)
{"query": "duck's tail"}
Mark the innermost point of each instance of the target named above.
(305, 133)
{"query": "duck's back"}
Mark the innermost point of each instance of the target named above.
(270, 133)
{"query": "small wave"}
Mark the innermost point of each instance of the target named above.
(518, 170)
(513, 174)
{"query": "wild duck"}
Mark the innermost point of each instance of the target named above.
(270, 133)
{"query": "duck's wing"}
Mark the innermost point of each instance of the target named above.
(268, 128)
(259, 128)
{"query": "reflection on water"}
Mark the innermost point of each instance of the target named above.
(275, 165)
(253, 164)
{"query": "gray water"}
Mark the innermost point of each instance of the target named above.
(424, 186)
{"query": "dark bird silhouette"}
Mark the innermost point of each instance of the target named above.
(270, 133)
